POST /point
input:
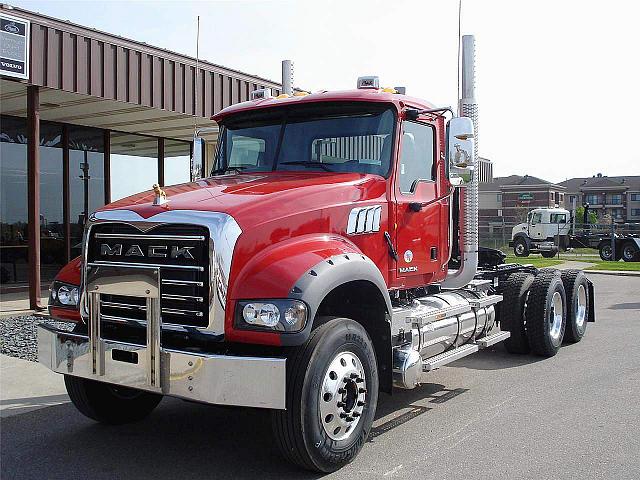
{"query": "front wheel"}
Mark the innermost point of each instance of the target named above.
(110, 404)
(332, 391)
(520, 247)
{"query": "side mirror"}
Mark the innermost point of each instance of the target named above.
(460, 150)
(197, 159)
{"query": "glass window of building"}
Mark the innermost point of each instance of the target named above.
(177, 162)
(52, 235)
(14, 251)
(86, 179)
(616, 199)
(134, 164)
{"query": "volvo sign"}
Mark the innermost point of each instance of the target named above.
(14, 47)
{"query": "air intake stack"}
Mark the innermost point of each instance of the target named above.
(468, 218)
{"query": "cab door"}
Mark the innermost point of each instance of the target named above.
(418, 213)
(536, 227)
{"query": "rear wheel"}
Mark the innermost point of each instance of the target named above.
(332, 391)
(606, 252)
(520, 247)
(110, 404)
(546, 313)
(577, 290)
(629, 252)
(512, 311)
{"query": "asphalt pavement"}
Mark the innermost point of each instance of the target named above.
(488, 416)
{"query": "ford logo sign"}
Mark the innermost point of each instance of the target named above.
(11, 28)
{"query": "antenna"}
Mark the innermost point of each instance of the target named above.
(459, 42)
(195, 110)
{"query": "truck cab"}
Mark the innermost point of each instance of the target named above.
(546, 231)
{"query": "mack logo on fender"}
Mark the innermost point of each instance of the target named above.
(152, 251)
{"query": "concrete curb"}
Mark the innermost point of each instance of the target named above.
(620, 273)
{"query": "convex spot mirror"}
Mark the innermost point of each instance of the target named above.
(460, 150)
(197, 159)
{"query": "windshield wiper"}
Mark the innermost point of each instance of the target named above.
(226, 169)
(309, 164)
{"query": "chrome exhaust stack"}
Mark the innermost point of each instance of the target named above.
(468, 218)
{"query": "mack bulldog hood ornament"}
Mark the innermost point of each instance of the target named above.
(161, 195)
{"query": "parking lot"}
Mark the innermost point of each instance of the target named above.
(490, 415)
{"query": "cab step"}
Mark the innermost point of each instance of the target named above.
(438, 361)
(489, 340)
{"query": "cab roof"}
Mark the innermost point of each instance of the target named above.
(355, 95)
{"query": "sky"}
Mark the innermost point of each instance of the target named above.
(557, 81)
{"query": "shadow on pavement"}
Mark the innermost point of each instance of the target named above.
(179, 440)
(495, 358)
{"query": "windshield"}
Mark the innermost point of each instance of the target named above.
(330, 137)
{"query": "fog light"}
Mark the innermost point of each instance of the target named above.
(265, 314)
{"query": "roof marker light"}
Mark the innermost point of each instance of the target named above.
(261, 94)
(301, 94)
(369, 82)
(282, 95)
(389, 90)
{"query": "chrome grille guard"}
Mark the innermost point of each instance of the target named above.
(223, 234)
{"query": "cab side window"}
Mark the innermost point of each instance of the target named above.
(416, 158)
(537, 218)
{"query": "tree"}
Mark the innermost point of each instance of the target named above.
(593, 216)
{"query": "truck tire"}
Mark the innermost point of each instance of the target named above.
(512, 311)
(577, 290)
(630, 252)
(520, 247)
(332, 392)
(110, 404)
(546, 313)
(606, 252)
(549, 253)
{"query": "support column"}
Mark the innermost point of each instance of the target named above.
(107, 166)
(161, 162)
(33, 194)
(66, 196)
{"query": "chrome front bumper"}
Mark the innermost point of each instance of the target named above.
(216, 379)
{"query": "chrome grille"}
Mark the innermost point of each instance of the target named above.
(180, 251)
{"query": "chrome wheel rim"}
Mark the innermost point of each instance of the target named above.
(555, 317)
(342, 396)
(520, 248)
(628, 252)
(581, 306)
(606, 252)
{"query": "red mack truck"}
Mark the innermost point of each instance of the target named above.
(331, 254)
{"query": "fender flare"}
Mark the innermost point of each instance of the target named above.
(317, 282)
(525, 237)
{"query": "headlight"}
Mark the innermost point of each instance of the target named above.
(273, 315)
(63, 294)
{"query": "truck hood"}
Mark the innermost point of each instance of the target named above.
(253, 199)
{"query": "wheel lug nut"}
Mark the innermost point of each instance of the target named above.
(354, 375)
(359, 380)
(349, 419)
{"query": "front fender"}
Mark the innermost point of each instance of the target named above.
(307, 268)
